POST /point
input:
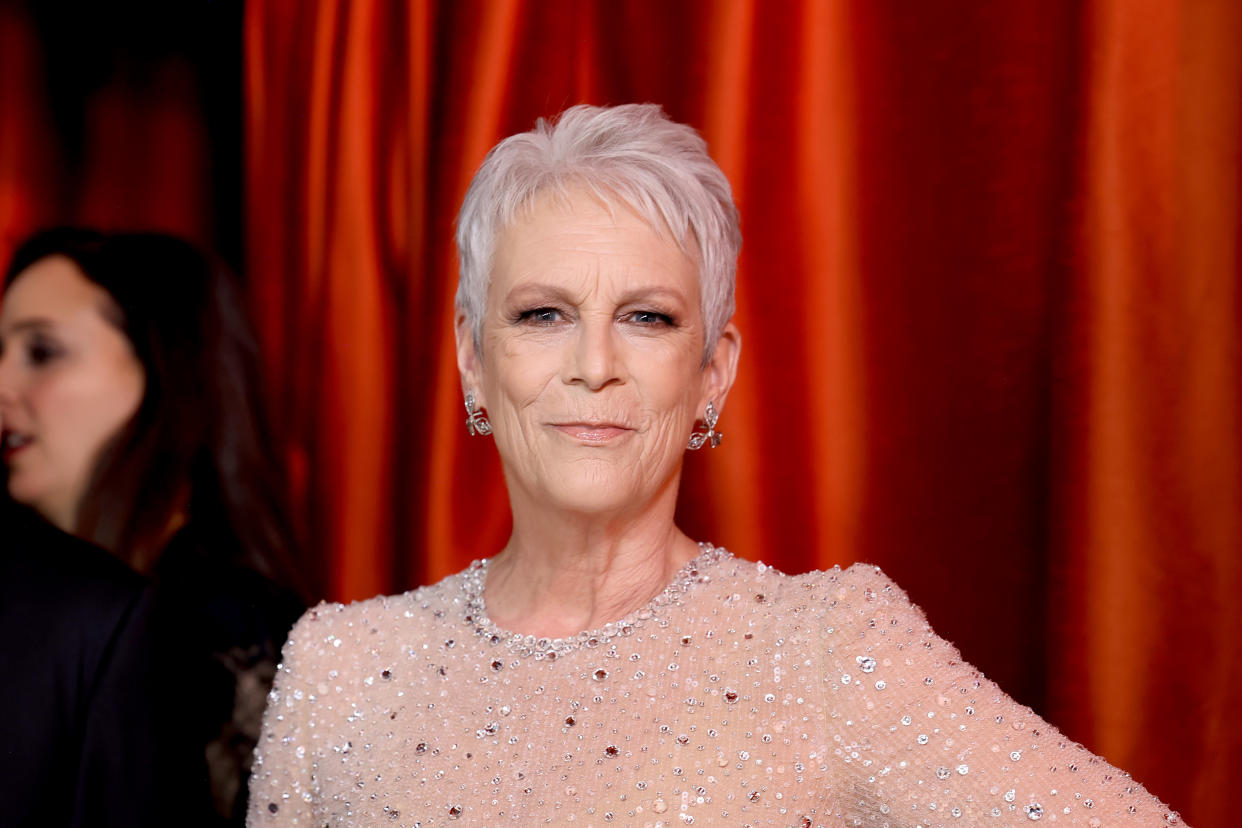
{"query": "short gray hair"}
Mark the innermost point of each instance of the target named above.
(635, 153)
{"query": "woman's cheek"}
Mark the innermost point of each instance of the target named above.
(667, 439)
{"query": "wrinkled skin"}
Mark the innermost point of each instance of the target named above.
(591, 372)
(590, 368)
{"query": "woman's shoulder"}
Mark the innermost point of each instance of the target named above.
(838, 616)
(859, 596)
(857, 583)
(379, 621)
(44, 572)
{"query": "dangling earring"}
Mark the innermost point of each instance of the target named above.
(711, 437)
(476, 421)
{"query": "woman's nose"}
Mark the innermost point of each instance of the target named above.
(7, 380)
(593, 360)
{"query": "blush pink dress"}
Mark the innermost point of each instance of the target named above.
(738, 696)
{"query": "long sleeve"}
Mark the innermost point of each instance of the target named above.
(87, 740)
(936, 743)
(747, 697)
(282, 783)
(122, 774)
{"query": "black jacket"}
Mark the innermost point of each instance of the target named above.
(79, 740)
(124, 701)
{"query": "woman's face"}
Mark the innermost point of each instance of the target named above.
(591, 365)
(69, 381)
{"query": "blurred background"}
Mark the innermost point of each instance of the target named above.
(990, 293)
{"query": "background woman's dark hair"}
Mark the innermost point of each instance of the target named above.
(199, 446)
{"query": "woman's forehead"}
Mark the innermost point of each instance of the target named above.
(583, 238)
(53, 290)
(580, 197)
(53, 283)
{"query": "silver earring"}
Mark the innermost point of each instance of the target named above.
(476, 421)
(711, 437)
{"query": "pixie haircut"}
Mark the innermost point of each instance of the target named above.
(632, 154)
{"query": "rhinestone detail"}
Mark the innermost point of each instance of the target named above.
(528, 646)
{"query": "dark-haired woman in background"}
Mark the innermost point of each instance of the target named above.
(130, 401)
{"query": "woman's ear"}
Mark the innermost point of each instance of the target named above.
(721, 369)
(468, 363)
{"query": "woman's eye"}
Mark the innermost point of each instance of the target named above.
(540, 316)
(651, 318)
(41, 353)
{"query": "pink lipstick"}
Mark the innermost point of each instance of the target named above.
(592, 433)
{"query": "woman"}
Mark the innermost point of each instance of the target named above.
(603, 667)
(129, 401)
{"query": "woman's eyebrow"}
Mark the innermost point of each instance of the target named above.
(538, 290)
(544, 289)
(653, 292)
(33, 323)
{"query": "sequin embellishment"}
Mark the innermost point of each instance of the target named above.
(474, 578)
(738, 696)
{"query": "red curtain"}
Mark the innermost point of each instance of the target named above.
(989, 294)
(137, 155)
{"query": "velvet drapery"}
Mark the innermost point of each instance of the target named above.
(101, 129)
(989, 294)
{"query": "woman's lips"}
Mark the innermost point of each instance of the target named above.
(596, 433)
(12, 443)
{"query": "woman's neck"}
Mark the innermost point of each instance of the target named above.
(561, 574)
(60, 512)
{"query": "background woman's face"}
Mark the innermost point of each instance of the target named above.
(590, 368)
(69, 381)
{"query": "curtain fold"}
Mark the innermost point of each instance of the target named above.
(1148, 507)
(26, 157)
(988, 294)
(126, 147)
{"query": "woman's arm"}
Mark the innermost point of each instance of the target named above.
(930, 741)
(282, 781)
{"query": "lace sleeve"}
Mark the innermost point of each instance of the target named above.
(927, 740)
(282, 782)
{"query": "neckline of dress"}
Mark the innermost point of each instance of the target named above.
(531, 646)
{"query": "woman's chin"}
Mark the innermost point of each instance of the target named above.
(22, 489)
(597, 494)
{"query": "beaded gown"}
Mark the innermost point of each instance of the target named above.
(738, 696)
